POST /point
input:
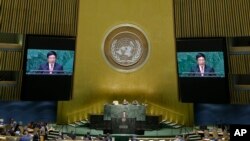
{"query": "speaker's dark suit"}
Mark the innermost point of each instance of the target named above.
(44, 68)
(208, 71)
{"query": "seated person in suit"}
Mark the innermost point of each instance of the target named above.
(1, 121)
(36, 136)
(201, 69)
(100, 138)
(88, 136)
(26, 137)
(125, 102)
(134, 138)
(72, 135)
(135, 102)
(51, 67)
(108, 137)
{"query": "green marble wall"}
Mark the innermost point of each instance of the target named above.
(186, 60)
(132, 111)
(36, 57)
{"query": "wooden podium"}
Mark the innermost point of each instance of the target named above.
(123, 125)
(123, 118)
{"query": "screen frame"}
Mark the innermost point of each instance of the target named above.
(208, 45)
(70, 46)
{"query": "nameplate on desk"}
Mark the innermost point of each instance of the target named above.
(123, 126)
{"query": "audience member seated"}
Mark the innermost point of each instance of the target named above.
(186, 137)
(25, 137)
(179, 138)
(215, 134)
(88, 137)
(225, 135)
(66, 137)
(12, 122)
(37, 129)
(134, 138)
(100, 138)
(108, 137)
(1, 121)
(17, 129)
(36, 136)
(206, 134)
(60, 137)
(72, 135)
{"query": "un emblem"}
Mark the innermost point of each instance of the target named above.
(126, 48)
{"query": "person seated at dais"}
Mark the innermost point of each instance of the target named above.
(125, 102)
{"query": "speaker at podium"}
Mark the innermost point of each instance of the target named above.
(123, 126)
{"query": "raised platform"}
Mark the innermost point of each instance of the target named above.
(133, 126)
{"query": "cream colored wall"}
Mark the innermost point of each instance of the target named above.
(96, 83)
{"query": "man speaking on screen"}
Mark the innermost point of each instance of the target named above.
(51, 67)
(201, 69)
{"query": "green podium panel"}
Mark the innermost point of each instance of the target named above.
(120, 126)
(132, 111)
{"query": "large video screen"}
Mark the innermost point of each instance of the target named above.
(201, 64)
(49, 62)
(202, 70)
(48, 67)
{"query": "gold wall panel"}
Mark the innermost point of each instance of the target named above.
(96, 83)
(238, 96)
(11, 90)
(212, 18)
(239, 65)
(52, 17)
(11, 60)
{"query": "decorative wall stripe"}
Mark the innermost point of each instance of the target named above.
(52, 17)
(212, 18)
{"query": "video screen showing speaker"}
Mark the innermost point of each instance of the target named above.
(202, 70)
(48, 67)
(201, 64)
(49, 62)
